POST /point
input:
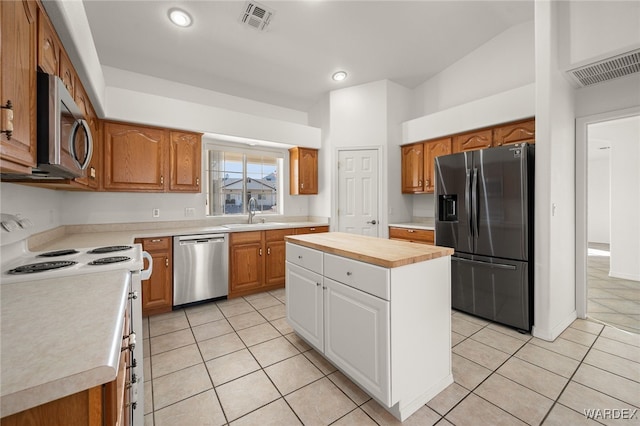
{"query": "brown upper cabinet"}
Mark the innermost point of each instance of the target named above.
(413, 168)
(303, 171)
(140, 158)
(432, 150)
(523, 131)
(186, 161)
(49, 46)
(418, 173)
(135, 158)
(18, 35)
(472, 141)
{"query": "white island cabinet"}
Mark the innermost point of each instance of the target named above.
(378, 309)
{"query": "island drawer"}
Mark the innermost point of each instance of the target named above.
(306, 257)
(369, 278)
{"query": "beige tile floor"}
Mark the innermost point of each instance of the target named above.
(237, 362)
(613, 301)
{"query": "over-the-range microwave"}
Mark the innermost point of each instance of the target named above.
(64, 142)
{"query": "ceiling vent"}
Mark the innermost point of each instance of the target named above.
(256, 15)
(607, 69)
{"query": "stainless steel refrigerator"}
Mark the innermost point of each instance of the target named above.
(484, 211)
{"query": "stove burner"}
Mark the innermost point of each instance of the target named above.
(108, 249)
(58, 253)
(41, 267)
(108, 260)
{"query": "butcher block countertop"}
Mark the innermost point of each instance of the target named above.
(377, 251)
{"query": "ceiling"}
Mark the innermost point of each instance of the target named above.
(290, 64)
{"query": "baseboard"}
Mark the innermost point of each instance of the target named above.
(623, 276)
(404, 412)
(551, 334)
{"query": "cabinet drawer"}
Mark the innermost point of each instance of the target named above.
(159, 243)
(305, 257)
(369, 278)
(413, 235)
(311, 230)
(245, 237)
(278, 234)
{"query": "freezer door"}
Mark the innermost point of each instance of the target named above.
(500, 201)
(495, 289)
(453, 202)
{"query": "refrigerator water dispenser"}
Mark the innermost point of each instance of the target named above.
(448, 208)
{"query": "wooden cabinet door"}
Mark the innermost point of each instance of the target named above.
(432, 150)
(303, 173)
(186, 157)
(413, 168)
(67, 73)
(274, 267)
(305, 305)
(246, 262)
(48, 45)
(18, 32)
(157, 291)
(472, 141)
(357, 337)
(134, 158)
(524, 131)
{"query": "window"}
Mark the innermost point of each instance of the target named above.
(234, 177)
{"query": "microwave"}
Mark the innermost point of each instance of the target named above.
(64, 141)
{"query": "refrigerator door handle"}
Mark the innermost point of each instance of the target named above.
(488, 264)
(474, 202)
(467, 200)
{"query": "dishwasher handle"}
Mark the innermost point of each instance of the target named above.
(201, 239)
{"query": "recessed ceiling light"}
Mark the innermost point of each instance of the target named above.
(180, 17)
(339, 75)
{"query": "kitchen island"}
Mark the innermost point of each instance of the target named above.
(379, 310)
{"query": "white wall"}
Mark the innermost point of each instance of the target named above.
(554, 290)
(613, 95)
(503, 63)
(598, 29)
(599, 199)
(321, 205)
(43, 207)
(623, 135)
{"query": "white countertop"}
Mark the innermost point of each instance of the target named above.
(60, 336)
(115, 237)
(415, 225)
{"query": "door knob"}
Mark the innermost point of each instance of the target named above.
(373, 222)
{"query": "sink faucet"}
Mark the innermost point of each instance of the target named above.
(253, 205)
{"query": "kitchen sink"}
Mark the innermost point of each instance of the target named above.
(255, 225)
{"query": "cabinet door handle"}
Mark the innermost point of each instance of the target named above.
(260, 252)
(300, 257)
(317, 284)
(312, 229)
(268, 250)
(410, 230)
(161, 180)
(156, 241)
(166, 262)
(349, 274)
(197, 181)
(6, 125)
(419, 182)
(302, 186)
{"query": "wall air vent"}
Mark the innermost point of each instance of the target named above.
(607, 69)
(256, 15)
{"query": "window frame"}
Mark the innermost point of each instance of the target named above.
(279, 154)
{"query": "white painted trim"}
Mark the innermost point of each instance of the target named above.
(582, 124)
(555, 331)
(624, 276)
(382, 220)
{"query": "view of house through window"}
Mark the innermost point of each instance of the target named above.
(235, 177)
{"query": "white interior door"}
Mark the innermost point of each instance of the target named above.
(358, 182)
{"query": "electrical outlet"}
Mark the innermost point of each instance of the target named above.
(156, 212)
(189, 212)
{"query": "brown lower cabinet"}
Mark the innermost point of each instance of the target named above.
(101, 405)
(257, 259)
(412, 235)
(157, 291)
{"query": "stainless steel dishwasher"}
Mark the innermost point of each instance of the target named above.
(200, 268)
